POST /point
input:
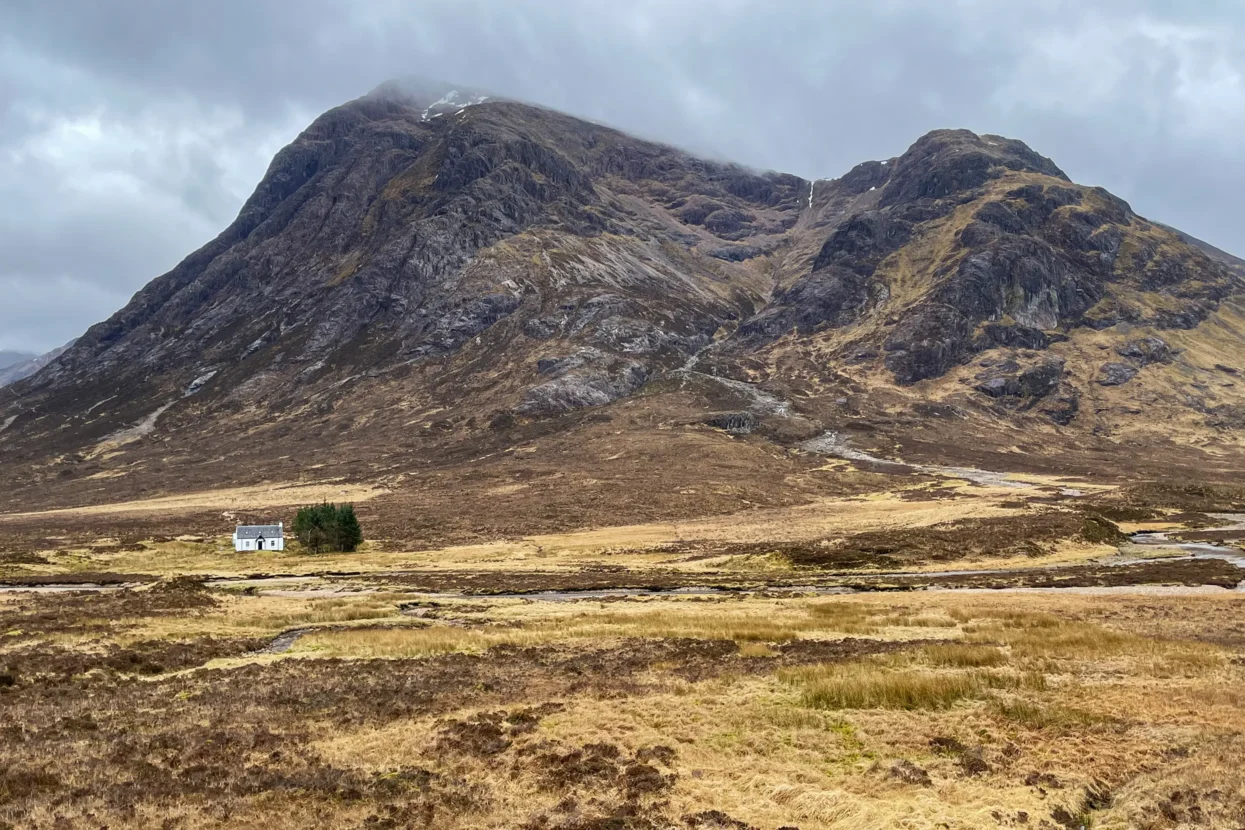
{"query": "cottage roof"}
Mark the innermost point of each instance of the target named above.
(255, 531)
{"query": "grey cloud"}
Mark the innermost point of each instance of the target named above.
(132, 130)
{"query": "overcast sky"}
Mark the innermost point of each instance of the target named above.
(132, 130)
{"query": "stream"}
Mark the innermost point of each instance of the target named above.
(834, 444)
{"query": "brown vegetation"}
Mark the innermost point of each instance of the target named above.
(758, 711)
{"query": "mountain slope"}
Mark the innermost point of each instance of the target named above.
(429, 284)
(22, 365)
(981, 278)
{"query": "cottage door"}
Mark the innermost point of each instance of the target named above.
(259, 543)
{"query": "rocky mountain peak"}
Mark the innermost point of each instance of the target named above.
(432, 98)
(943, 163)
(432, 249)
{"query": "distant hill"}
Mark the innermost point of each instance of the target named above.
(9, 358)
(15, 366)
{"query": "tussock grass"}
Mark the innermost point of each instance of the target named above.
(755, 649)
(870, 686)
(1046, 716)
(715, 624)
(848, 617)
(1005, 617)
(322, 611)
(1049, 645)
(960, 656)
(1067, 640)
(789, 717)
(1182, 659)
(751, 627)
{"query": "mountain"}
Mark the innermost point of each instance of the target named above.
(460, 297)
(15, 366)
(9, 358)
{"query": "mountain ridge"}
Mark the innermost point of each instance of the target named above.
(422, 280)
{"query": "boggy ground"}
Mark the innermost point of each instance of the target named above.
(347, 696)
(157, 707)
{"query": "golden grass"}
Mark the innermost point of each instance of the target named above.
(318, 612)
(753, 623)
(872, 686)
(634, 546)
(1080, 688)
(960, 656)
(234, 498)
(869, 687)
(423, 641)
(1046, 715)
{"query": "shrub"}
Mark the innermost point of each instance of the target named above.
(328, 527)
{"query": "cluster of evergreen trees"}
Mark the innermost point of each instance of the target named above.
(327, 527)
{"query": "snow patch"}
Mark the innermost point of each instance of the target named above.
(447, 98)
(8, 422)
(451, 99)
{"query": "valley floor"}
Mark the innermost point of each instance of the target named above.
(948, 655)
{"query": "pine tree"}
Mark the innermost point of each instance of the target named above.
(326, 526)
(349, 533)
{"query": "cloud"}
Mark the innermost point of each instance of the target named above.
(132, 130)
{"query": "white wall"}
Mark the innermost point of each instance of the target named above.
(249, 544)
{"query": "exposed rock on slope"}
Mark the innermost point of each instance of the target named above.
(1011, 254)
(389, 234)
(426, 275)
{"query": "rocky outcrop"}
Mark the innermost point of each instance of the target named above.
(927, 342)
(1007, 380)
(1062, 406)
(1041, 385)
(736, 423)
(1146, 350)
(948, 163)
(584, 388)
(1116, 374)
(1137, 354)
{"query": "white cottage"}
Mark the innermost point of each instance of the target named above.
(259, 537)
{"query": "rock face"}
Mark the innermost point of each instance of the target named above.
(1116, 374)
(429, 264)
(1016, 256)
(396, 232)
(1146, 350)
